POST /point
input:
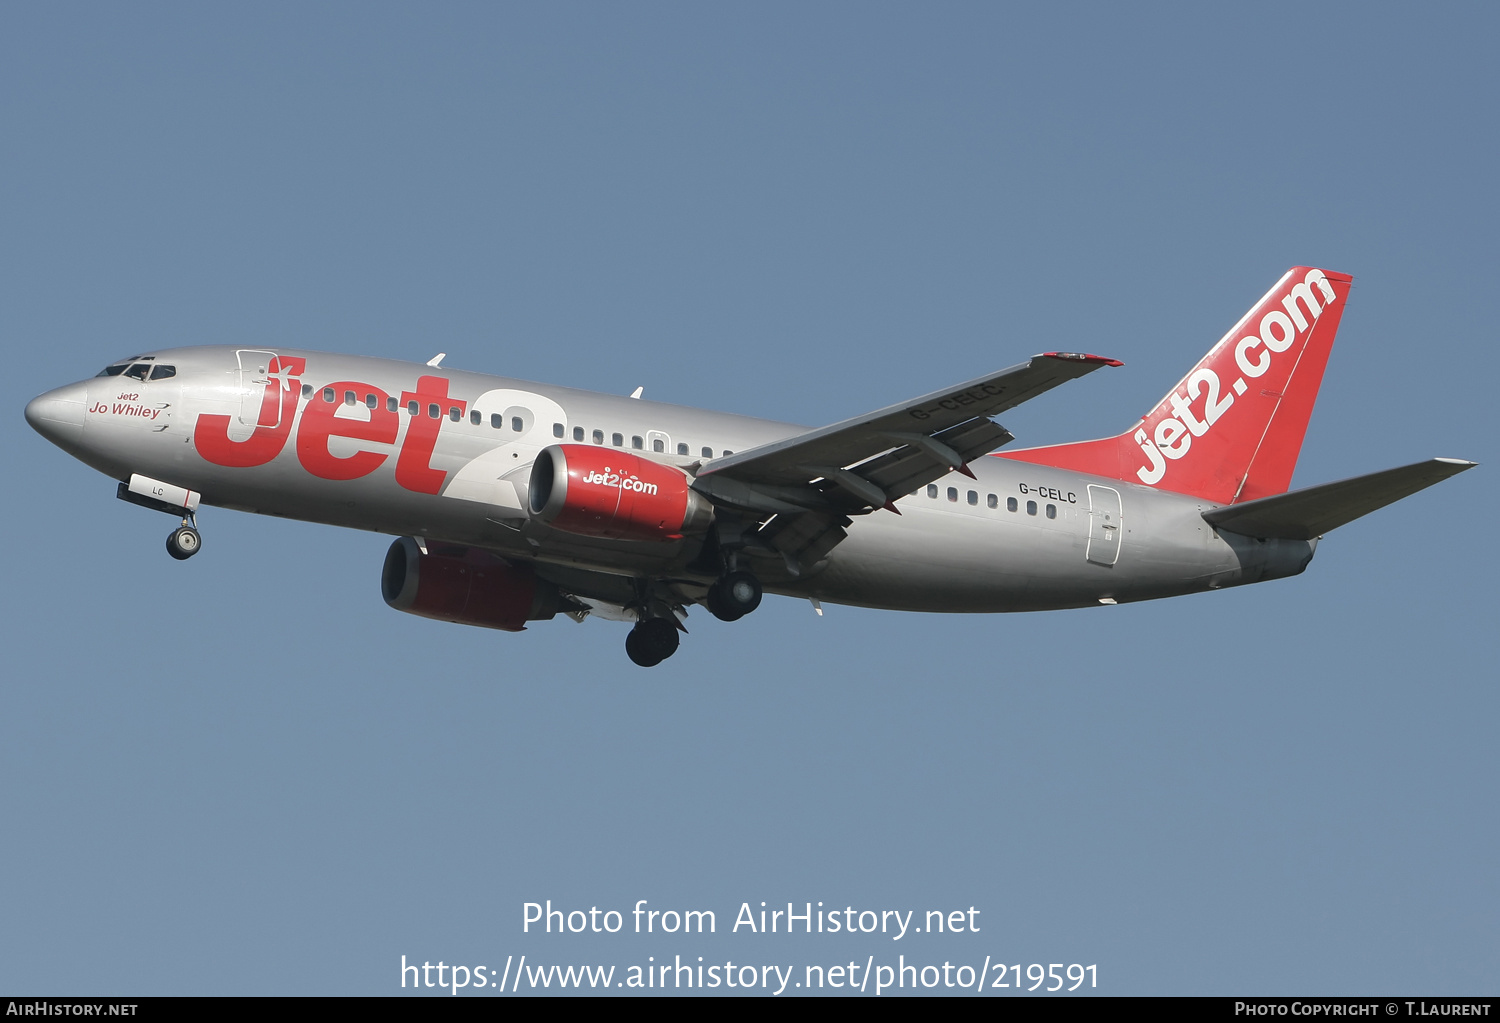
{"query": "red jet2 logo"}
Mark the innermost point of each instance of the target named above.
(1278, 330)
(278, 408)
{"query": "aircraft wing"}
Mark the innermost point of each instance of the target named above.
(813, 481)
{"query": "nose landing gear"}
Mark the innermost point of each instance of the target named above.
(184, 541)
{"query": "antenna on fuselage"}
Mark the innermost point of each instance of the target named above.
(637, 392)
(436, 359)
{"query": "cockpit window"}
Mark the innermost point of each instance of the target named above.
(162, 372)
(138, 371)
(114, 369)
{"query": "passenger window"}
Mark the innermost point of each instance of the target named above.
(476, 417)
(578, 433)
(953, 493)
(708, 452)
(138, 371)
(1010, 504)
(993, 501)
(433, 412)
(496, 420)
(557, 429)
(349, 398)
(657, 445)
(973, 497)
(328, 394)
(637, 443)
(454, 414)
(371, 401)
(520, 418)
(598, 436)
(1030, 507)
(682, 449)
(727, 452)
(162, 372)
(617, 439)
(1051, 511)
(932, 490)
(412, 408)
(307, 391)
(392, 403)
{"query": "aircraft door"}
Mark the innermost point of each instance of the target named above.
(1104, 525)
(253, 377)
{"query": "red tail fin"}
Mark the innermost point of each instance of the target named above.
(1231, 430)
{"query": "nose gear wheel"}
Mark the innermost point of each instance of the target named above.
(183, 542)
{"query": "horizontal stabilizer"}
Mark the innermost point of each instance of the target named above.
(1304, 514)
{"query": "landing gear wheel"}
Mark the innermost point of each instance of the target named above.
(716, 606)
(652, 641)
(184, 542)
(734, 596)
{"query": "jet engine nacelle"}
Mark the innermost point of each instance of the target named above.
(465, 585)
(609, 493)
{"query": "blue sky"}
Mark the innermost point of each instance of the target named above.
(245, 774)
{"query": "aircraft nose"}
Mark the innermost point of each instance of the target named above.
(58, 414)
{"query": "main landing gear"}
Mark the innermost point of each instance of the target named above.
(652, 641)
(733, 596)
(655, 636)
(655, 639)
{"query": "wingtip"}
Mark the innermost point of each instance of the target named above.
(1453, 466)
(1102, 360)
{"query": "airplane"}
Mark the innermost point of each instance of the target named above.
(514, 502)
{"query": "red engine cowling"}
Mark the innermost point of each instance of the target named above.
(465, 585)
(613, 494)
